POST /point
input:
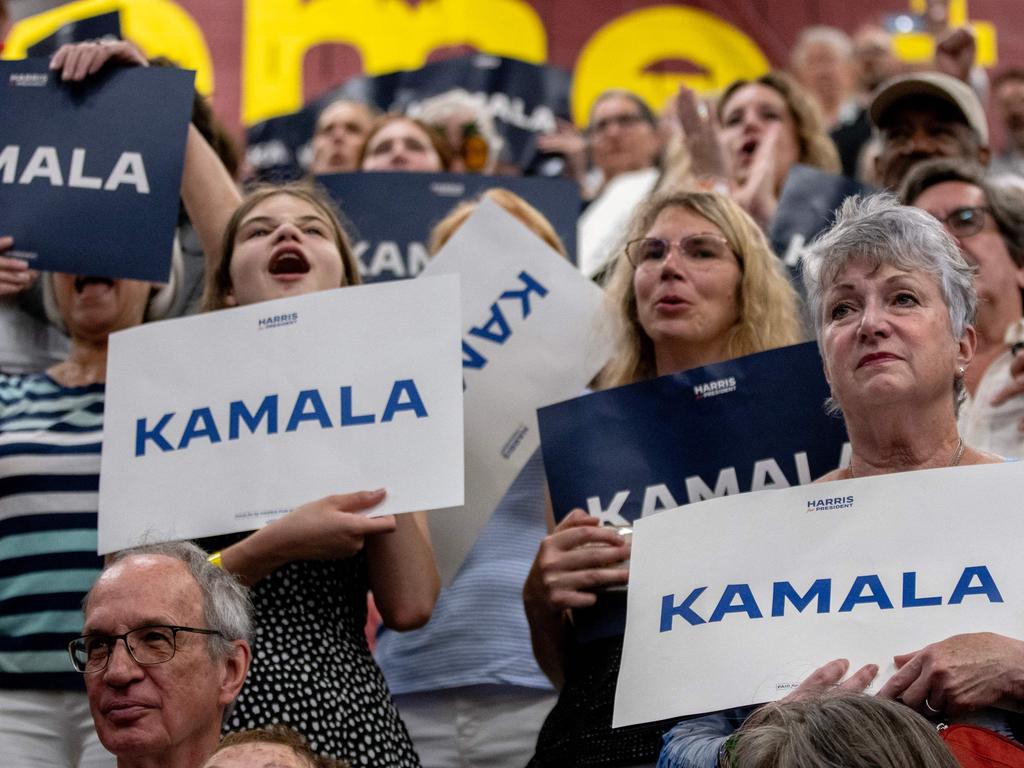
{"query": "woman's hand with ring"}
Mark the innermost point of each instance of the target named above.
(961, 674)
(579, 556)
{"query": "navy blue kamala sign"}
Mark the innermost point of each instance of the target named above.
(392, 213)
(90, 172)
(747, 424)
(743, 425)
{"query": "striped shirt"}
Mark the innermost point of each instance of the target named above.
(50, 438)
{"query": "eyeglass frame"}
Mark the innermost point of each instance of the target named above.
(175, 629)
(984, 209)
(669, 244)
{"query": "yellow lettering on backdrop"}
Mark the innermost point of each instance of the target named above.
(919, 47)
(617, 54)
(390, 34)
(160, 27)
(957, 10)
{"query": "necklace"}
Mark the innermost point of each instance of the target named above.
(958, 453)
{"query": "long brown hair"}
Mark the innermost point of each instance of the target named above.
(218, 276)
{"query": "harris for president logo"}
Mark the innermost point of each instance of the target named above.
(714, 388)
(278, 321)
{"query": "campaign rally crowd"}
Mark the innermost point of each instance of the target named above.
(325, 637)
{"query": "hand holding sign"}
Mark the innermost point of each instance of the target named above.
(960, 674)
(578, 557)
(90, 156)
(330, 528)
(15, 276)
(77, 61)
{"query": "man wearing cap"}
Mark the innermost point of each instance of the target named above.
(924, 115)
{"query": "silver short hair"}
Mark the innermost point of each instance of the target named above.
(838, 728)
(227, 607)
(876, 230)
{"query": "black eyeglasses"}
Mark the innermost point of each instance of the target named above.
(153, 644)
(964, 222)
(700, 250)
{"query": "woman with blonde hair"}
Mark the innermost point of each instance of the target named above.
(768, 314)
(696, 284)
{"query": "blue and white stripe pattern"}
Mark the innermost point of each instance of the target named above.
(478, 633)
(50, 439)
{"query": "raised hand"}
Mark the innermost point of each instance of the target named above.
(960, 674)
(77, 61)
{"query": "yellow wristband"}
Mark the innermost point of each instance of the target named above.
(215, 559)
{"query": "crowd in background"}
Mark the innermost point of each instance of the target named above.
(678, 207)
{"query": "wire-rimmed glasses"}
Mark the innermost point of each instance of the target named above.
(152, 644)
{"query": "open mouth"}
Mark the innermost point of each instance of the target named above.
(288, 263)
(83, 280)
(671, 302)
(748, 149)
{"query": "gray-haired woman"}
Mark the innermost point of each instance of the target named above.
(893, 305)
(840, 728)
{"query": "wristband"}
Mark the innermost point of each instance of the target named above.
(215, 559)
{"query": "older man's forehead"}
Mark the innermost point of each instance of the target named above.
(139, 590)
(943, 197)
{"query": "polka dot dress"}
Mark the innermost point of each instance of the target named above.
(313, 671)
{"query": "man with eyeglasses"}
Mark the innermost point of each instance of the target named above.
(922, 116)
(164, 654)
(625, 148)
(987, 221)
